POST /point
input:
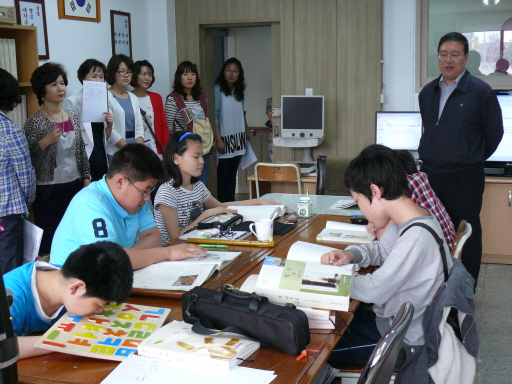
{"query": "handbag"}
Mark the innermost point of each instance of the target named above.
(284, 328)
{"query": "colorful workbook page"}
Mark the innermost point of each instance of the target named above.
(141, 369)
(259, 212)
(302, 280)
(182, 275)
(177, 344)
(345, 233)
(112, 334)
(214, 233)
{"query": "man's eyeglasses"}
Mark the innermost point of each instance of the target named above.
(124, 73)
(144, 194)
(444, 56)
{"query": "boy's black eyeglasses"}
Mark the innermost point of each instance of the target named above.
(144, 194)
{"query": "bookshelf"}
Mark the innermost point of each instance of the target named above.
(27, 59)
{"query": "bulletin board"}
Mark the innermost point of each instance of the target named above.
(121, 30)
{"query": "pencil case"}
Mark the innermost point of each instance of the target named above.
(284, 328)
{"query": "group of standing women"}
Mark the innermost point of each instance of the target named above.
(67, 153)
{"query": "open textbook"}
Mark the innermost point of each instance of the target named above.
(259, 212)
(177, 344)
(300, 279)
(345, 233)
(182, 275)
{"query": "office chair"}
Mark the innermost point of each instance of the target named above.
(329, 179)
(380, 366)
(276, 172)
(463, 233)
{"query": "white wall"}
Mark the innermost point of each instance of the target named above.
(253, 47)
(399, 55)
(153, 38)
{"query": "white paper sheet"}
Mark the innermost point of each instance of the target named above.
(249, 156)
(94, 101)
(139, 369)
(32, 236)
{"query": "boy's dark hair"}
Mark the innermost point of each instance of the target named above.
(113, 66)
(407, 161)
(104, 267)
(177, 86)
(454, 36)
(239, 91)
(44, 75)
(137, 67)
(174, 145)
(10, 95)
(86, 67)
(137, 162)
(379, 165)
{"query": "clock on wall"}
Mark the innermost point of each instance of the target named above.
(86, 10)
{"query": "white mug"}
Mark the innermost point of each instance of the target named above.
(263, 229)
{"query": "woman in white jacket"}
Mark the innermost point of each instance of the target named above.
(122, 104)
(95, 134)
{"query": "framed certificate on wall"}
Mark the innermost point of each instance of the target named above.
(121, 30)
(85, 10)
(32, 13)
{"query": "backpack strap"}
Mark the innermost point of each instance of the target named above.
(202, 100)
(439, 242)
(181, 105)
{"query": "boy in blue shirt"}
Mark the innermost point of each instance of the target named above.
(92, 276)
(116, 208)
(412, 271)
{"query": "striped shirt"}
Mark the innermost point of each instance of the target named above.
(173, 115)
(17, 177)
(424, 196)
(188, 204)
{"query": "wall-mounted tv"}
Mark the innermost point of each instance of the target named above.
(502, 157)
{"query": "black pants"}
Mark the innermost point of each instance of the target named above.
(461, 194)
(11, 242)
(361, 331)
(226, 178)
(49, 207)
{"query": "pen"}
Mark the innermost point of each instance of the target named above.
(212, 245)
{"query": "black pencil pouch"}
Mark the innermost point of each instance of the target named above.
(284, 328)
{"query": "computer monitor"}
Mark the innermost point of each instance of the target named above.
(398, 130)
(502, 157)
(302, 117)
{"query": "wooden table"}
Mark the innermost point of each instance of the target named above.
(64, 368)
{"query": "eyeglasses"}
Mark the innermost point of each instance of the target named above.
(234, 72)
(124, 73)
(148, 75)
(454, 56)
(144, 194)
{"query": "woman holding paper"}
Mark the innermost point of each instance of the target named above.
(231, 130)
(57, 151)
(179, 202)
(124, 105)
(95, 134)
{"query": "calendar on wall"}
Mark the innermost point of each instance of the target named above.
(121, 30)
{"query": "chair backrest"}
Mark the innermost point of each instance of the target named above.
(380, 367)
(463, 233)
(329, 179)
(277, 172)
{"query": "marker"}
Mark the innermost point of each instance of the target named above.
(212, 245)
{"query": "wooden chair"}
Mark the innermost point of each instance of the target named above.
(463, 233)
(329, 179)
(276, 172)
(381, 364)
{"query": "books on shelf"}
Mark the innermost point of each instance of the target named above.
(8, 56)
(259, 212)
(177, 344)
(300, 279)
(182, 275)
(317, 318)
(19, 114)
(345, 233)
(112, 334)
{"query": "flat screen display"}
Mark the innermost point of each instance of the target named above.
(504, 150)
(302, 113)
(398, 130)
